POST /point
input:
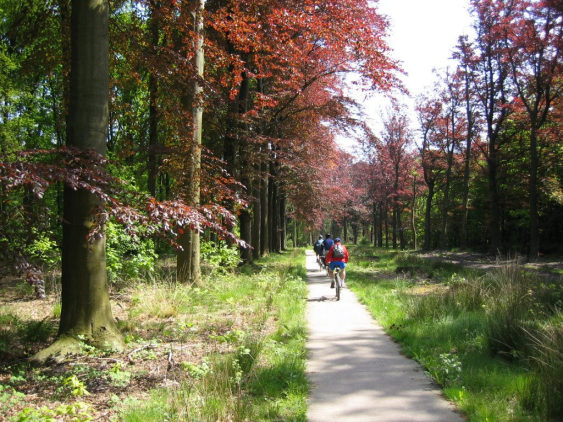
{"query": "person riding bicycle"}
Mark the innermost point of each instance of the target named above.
(318, 246)
(327, 244)
(337, 256)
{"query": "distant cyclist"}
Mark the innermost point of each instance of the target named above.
(337, 256)
(318, 246)
(327, 244)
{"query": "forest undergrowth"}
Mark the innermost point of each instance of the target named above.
(492, 339)
(232, 349)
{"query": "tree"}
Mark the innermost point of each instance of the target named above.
(429, 111)
(85, 312)
(463, 54)
(534, 45)
(188, 259)
(491, 74)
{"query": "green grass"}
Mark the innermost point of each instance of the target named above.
(492, 340)
(262, 375)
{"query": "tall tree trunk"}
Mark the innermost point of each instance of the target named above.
(265, 207)
(413, 214)
(85, 310)
(152, 163)
(256, 217)
(386, 227)
(188, 268)
(374, 217)
(395, 222)
(402, 238)
(428, 217)
(272, 213)
(446, 200)
(533, 188)
(283, 222)
(380, 240)
(466, 163)
(245, 167)
(494, 218)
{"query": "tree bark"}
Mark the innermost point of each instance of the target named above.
(245, 218)
(494, 219)
(428, 217)
(533, 187)
(374, 217)
(380, 240)
(152, 163)
(256, 217)
(467, 162)
(85, 312)
(446, 201)
(265, 207)
(413, 214)
(283, 223)
(188, 265)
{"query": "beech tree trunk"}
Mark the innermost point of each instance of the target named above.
(188, 268)
(152, 163)
(494, 219)
(374, 217)
(380, 240)
(256, 218)
(283, 223)
(395, 223)
(467, 163)
(413, 214)
(446, 201)
(245, 218)
(428, 216)
(386, 227)
(265, 207)
(85, 312)
(533, 188)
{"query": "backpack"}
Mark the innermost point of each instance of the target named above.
(338, 252)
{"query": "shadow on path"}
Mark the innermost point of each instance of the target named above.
(357, 372)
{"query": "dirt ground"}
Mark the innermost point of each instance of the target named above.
(547, 266)
(154, 359)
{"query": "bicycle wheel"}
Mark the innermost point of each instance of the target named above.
(337, 284)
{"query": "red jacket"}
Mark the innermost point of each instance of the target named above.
(329, 257)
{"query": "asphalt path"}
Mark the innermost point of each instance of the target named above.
(357, 372)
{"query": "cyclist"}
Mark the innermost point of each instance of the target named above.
(327, 244)
(337, 256)
(318, 246)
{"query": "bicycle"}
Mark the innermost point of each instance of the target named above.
(338, 282)
(320, 262)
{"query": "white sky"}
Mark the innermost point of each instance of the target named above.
(423, 34)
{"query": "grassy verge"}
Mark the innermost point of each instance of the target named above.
(493, 340)
(257, 372)
(232, 350)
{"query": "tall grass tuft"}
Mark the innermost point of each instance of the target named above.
(509, 312)
(544, 392)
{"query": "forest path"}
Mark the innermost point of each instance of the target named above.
(357, 372)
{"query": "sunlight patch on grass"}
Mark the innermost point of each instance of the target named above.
(256, 370)
(447, 318)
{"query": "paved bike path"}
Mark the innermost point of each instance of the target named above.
(357, 372)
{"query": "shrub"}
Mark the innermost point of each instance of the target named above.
(128, 257)
(219, 257)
